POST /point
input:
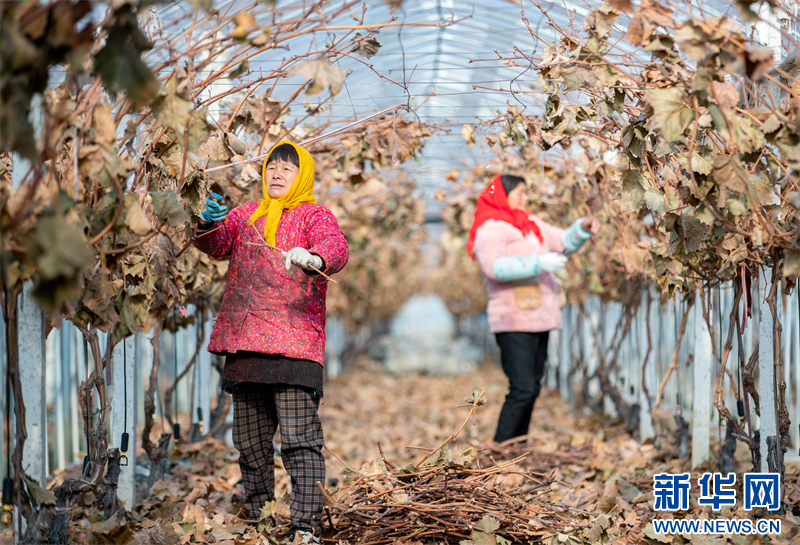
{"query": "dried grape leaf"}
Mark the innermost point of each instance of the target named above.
(758, 61)
(98, 301)
(168, 208)
(695, 41)
(120, 63)
(595, 533)
(725, 94)
(771, 125)
(172, 109)
(791, 265)
(475, 393)
(215, 149)
(577, 76)
(748, 136)
(244, 21)
(194, 191)
(105, 131)
(134, 265)
(236, 144)
(262, 38)
(199, 128)
(41, 496)
(366, 47)
(488, 524)
(729, 173)
(631, 192)
(736, 207)
(671, 115)
(699, 163)
(266, 111)
(468, 133)
(321, 73)
(561, 121)
(655, 201)
(134, 217)
(622, 5)
(243, 67)
(693, 233)
(651, 533)
(601, 20)
(61, 254)
(483, 534)
(644, 22)
(465, 459)
(633, 141)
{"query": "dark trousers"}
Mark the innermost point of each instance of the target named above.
(258, 409)
(523, 356)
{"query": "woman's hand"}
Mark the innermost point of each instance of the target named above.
(303, 259)
(214, 210)
(552, 262)
(591, 225)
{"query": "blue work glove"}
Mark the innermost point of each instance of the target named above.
(214, 210)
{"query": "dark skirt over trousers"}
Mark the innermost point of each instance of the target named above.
(523, 356)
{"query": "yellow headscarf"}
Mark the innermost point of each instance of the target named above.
(299, 192)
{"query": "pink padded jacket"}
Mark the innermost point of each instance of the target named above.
(496, 239)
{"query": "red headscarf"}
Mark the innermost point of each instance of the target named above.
(493, 205)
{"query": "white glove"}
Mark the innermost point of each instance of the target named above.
(303, 258)
(552, 262)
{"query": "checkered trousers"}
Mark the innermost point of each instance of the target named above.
(258, 409)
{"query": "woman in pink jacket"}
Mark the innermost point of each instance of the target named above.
(518, 254)
(271, 328)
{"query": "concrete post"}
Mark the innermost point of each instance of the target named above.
(768, 30)
(124, 406)
(589, 341)
(768, 33)
(646, 429)
(701, 402)
(75, 365)
(66, 337)
(564, 356)
(60, 416)
(607, 319)
(3, 371)
(31, 346)
(766, 369)
(144, 362)
(552, 360)
(792, 308)
(203, 378)
(788, 342)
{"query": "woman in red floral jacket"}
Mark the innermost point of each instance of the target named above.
(271, 328)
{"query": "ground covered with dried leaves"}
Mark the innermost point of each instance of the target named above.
(580, 479)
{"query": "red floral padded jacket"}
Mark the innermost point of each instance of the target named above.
(266, 308)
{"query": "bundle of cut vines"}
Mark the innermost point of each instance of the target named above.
(445, 496)
(448, 500)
